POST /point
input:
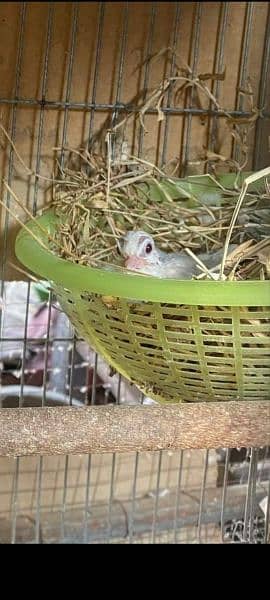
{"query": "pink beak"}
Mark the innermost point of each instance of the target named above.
(134, 263)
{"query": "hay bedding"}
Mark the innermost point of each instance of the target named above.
(112, 193)
(193, 213)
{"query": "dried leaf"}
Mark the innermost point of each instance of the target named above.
(212, 76)
(160, 112)
(214, 156)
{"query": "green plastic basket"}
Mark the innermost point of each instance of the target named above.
(176, 340)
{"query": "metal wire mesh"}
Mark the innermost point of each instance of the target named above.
(130, 498)
(163, 497)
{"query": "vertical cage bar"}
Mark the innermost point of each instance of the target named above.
(89, 460)
(264, 82)
(178, 493)
(219, 55)
(134, 488)
(121, 61)
(111, 498)
(224, 493)
(46, 353)
(43, 96)
(71, 369)
(195, 42)
(132, 510)
(218, 67)
(244, 65)
(38, 499)
(267, 516)
(14, 501)
(111, 495)
(169, 95)
(87, 499)
(43, 402)
(24, 345)
(97, 64)
(262, 460)
(64, 500)
(122, 56)
(253, 495)
(94, 383)
(155, 513)
(249, 496)
(75, 14)
(147, 69)
(120, 70)
(202, 497)
(243, 70)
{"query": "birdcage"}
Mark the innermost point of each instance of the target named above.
(126, 471)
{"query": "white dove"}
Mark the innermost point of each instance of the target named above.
(142, 256)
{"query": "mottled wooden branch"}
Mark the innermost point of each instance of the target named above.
(68, 430)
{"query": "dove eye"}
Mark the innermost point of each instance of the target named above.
(148, 248)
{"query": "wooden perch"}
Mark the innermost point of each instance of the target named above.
(68, 430)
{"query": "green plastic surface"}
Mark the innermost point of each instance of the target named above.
(176, 340)
(124, 285)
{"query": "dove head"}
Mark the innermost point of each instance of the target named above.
(140, 253)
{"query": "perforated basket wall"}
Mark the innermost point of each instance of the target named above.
(177, 341)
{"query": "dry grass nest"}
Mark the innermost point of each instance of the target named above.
(103, 200)
(112, 192)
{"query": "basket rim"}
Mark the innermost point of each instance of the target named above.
(84, 279)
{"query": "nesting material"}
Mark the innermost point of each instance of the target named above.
(100, 203)
(112, 192)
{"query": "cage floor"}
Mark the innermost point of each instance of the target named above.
(161, 497)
